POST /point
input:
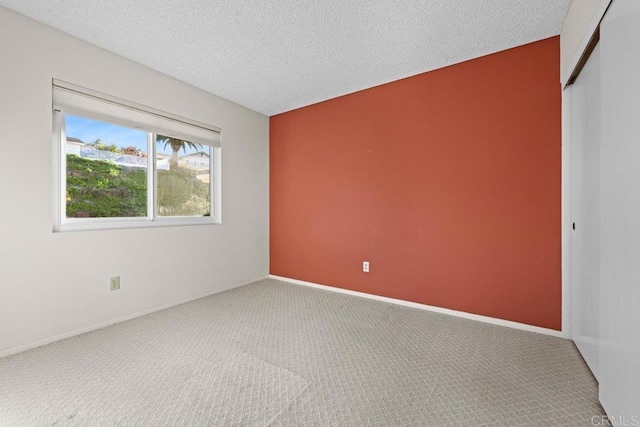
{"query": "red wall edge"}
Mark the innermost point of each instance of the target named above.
(447, 182)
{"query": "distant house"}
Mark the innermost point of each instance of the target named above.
(195, 161)
(74, 145)
(162, 161)
(133, 151)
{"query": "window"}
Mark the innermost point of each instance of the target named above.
(123, 165)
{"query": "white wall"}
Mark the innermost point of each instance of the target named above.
(620, 196)
(53, 284)
(581, 22)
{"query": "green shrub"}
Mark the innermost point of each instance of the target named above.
(180, 192)
(101, 189)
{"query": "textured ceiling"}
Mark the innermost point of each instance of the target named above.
(274, 56)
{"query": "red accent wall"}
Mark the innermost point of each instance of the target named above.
(447, 182)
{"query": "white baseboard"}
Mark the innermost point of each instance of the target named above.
(96, 326)
(477, 317)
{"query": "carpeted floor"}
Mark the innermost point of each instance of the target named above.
(278, 354)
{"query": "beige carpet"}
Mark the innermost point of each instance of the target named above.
(272, 353)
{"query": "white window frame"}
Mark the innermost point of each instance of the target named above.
(62, 223)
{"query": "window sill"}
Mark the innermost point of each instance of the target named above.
(128, 223)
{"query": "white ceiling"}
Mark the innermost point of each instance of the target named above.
(274, 56)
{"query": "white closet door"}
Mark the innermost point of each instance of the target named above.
(619, 356)
(585, 189)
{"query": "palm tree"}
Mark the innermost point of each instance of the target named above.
(176, 144)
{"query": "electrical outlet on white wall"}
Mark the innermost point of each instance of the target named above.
(365, 266)
(114, 283)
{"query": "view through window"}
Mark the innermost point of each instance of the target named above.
(107, 169)
(183, 177)
(106, 174)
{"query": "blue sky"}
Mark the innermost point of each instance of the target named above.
(88, 130)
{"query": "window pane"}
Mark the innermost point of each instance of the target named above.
(183, 177)
(106, 169)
